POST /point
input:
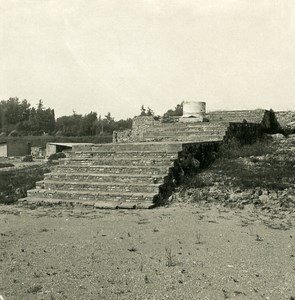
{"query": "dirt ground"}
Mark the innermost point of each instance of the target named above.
(183, 251)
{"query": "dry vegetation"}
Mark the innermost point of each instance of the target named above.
(260, 174)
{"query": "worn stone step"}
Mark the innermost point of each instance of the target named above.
(100, 204)
(194, 126)
(192, 138)
(93, 177)
(99, 186)
(139, 146)
(185, 134)
(91, 195)
(144, 170)
(113, 161)
(208, 129)
(124, 154)
(254, 116)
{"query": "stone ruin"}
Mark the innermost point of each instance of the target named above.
(143, 165)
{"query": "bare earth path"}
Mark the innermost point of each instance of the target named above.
(179, 252)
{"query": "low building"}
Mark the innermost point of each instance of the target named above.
(52, 148)
(10, 148)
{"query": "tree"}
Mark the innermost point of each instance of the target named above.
(41, 120)
(142, 111)
(13, 114)
(88, 124)
(178, 111)
(146, 112)
(69, 125)
(108, 123)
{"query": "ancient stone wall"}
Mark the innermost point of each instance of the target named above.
(122, 136)
(140, 125)
(190, 159)
(243, 133)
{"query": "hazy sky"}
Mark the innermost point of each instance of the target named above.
(115, 55)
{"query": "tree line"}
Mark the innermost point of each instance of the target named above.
(19, 118)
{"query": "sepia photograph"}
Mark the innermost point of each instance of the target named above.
(147, 149)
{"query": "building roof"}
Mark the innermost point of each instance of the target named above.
(67, 144)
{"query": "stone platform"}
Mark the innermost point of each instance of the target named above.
(143, 165)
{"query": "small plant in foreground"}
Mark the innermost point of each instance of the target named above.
(169, 258)
(34, 289)
(146, 279)
(132, 249)
(198, 237)
(258, 238)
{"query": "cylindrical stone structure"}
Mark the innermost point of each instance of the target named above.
(194, 109)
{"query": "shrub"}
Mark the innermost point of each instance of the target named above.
(57, 155)
(15, 183)
(6, 165)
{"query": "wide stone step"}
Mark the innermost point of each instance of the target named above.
(235, 119)
(91, 195)
(189, 138)
(184, 134)
(144, 170)
(107, 161)
(100, 204)
(140, 146)
(189, 129)
(237, 116)
(127, 178)
(98, 186)
(124, 154)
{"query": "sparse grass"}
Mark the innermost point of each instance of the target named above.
(198, 237)
(248, 166)
(132, 249)
(236, 150)
(169, 258)
(258, 238)
(34, 289)
(268, 173)
(146, 279)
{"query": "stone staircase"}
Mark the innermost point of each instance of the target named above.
(109, 176)
(225, 117)
(139, 173)
(196, 132)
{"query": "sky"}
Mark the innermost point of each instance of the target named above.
(114, 56)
